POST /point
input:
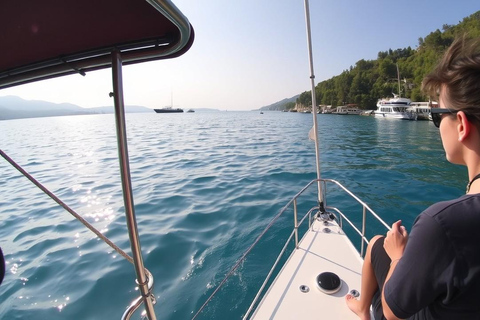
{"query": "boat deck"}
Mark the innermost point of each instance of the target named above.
(318, 252)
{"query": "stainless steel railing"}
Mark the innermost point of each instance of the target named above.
(315, 212)
(365, 208)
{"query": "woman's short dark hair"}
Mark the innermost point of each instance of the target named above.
(459, 73)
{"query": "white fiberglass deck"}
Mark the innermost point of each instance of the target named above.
(318, 252)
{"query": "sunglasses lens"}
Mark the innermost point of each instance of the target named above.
(436, 118)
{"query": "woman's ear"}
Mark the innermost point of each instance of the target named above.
(463, 127)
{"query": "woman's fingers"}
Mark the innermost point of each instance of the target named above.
(396, 240)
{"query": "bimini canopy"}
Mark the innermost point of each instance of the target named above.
(41, 39)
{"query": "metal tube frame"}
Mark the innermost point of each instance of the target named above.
(142, 279)
(364, 223)
(137, 302)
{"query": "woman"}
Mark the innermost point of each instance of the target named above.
(434, 273)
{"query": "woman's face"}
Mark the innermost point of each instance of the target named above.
(448, 132)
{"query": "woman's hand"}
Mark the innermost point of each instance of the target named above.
(395, 241)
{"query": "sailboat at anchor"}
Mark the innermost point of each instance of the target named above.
(170, 109)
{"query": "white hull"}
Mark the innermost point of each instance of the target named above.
(392, 115)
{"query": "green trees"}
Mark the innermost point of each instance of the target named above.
(370, 80)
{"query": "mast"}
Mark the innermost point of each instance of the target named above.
(398, 80)
(314, 103)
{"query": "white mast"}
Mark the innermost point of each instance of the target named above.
(314, 102)
(398, 80)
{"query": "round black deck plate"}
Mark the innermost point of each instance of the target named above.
(329, 282)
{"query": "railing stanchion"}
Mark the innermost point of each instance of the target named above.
(295, 222)
(120, 123)
(364, 220)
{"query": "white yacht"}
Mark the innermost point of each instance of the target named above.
(395, 108)
(348, 109)
(422, 109)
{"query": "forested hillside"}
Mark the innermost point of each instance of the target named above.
(369, 80)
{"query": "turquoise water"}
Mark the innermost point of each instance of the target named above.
(205, 185)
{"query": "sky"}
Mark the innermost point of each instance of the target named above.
(251, 53)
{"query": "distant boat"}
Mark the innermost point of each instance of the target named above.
(190, 110)
(168, 110)
(396, 107)
(261, 112)
(367, 113)
(348, 109)
(327, 109)
(422, 109)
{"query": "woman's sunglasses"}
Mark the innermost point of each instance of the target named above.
(437, 114)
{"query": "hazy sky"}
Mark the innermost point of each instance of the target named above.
(251, 53)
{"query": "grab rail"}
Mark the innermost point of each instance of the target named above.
(294, 233)
(364, 216)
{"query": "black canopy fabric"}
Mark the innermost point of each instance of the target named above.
(51, 38)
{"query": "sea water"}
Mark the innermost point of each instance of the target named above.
(205, 185)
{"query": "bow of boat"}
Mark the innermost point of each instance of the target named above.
(295, 294)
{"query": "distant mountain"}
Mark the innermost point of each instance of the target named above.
(280, 105)
(13, 107)
(17, 103)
